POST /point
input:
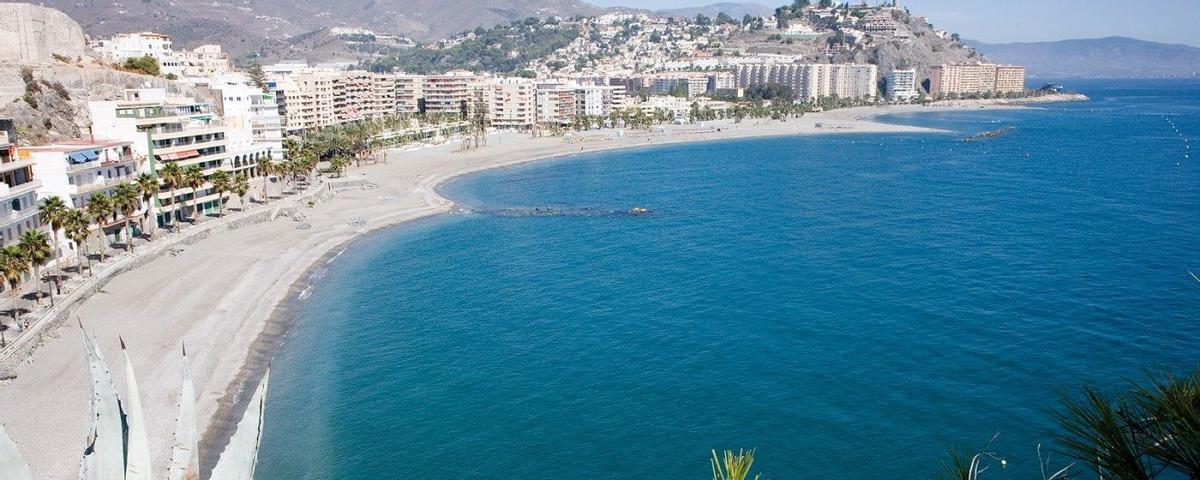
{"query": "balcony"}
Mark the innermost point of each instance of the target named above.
(183, 147)
(16, 216)
(100, 163)
(189, 130)
(16, 165)
(101, 183)
(7, 192)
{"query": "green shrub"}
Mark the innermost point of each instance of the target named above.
(144, 64)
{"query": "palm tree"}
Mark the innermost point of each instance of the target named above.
(241, 186)
(51, 212)
(100, 207)
(172, 177)
(78, 228)
(193, 178)
(338, 165)
(126, 198)
(148, 186)
(221, 183)
(13, 267)
(35, 245)
(267, 167)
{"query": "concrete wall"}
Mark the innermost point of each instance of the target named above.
(32, 34)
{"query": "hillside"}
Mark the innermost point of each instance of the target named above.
(1111, 57)
(267, 27)
(735, 10)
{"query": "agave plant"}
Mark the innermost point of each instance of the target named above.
(733, 466)
(117, 446)
(1171, 405)
(1097, 432)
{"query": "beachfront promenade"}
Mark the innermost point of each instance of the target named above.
(43, 318)
(218, 293)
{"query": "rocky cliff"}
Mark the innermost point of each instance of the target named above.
(33, 34)
(47, 77)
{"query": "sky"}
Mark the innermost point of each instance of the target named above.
(1002, 21)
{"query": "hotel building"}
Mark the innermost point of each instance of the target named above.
(902, 84)
(976, 78)
(813, 80)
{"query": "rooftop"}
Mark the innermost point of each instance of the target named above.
(78, 145)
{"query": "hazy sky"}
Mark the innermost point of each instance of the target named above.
(1172, 21)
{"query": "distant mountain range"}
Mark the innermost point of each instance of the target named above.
(274, 25)
(735, 10)
(294, 28)
(1110, 57)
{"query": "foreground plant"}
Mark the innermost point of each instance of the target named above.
(732, 466)
(117, 446)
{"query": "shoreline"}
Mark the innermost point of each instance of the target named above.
(239, 323)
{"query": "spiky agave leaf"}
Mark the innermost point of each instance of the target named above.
(1096, 434)
(238, 460)
(734, 467)
(1171, 407)
(958, 468)
(104, 455)
(185, 456)
(12, 466)
(137, 459)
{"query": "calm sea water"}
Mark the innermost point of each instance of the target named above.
(852, 306)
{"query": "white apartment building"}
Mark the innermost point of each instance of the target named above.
(123, 46)
(75, 171)
(813, 80)
(409, 92)
(451, 92)
(203, 61)
(597, 100)
(555, 104)
(169, 130)
(976, 78)
(18, 192)
(352, 96)
(255, 128)
(512, 103)
(305, 99)
(902, 84)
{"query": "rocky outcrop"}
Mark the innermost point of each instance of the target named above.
(32, 34)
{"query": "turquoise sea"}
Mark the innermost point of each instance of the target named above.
(852, 306)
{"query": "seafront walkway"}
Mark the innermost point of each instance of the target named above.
(44, 318)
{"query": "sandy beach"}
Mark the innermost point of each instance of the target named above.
(220, 295)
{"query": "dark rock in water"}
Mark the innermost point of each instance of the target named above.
(555, 212)
(999, 132)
